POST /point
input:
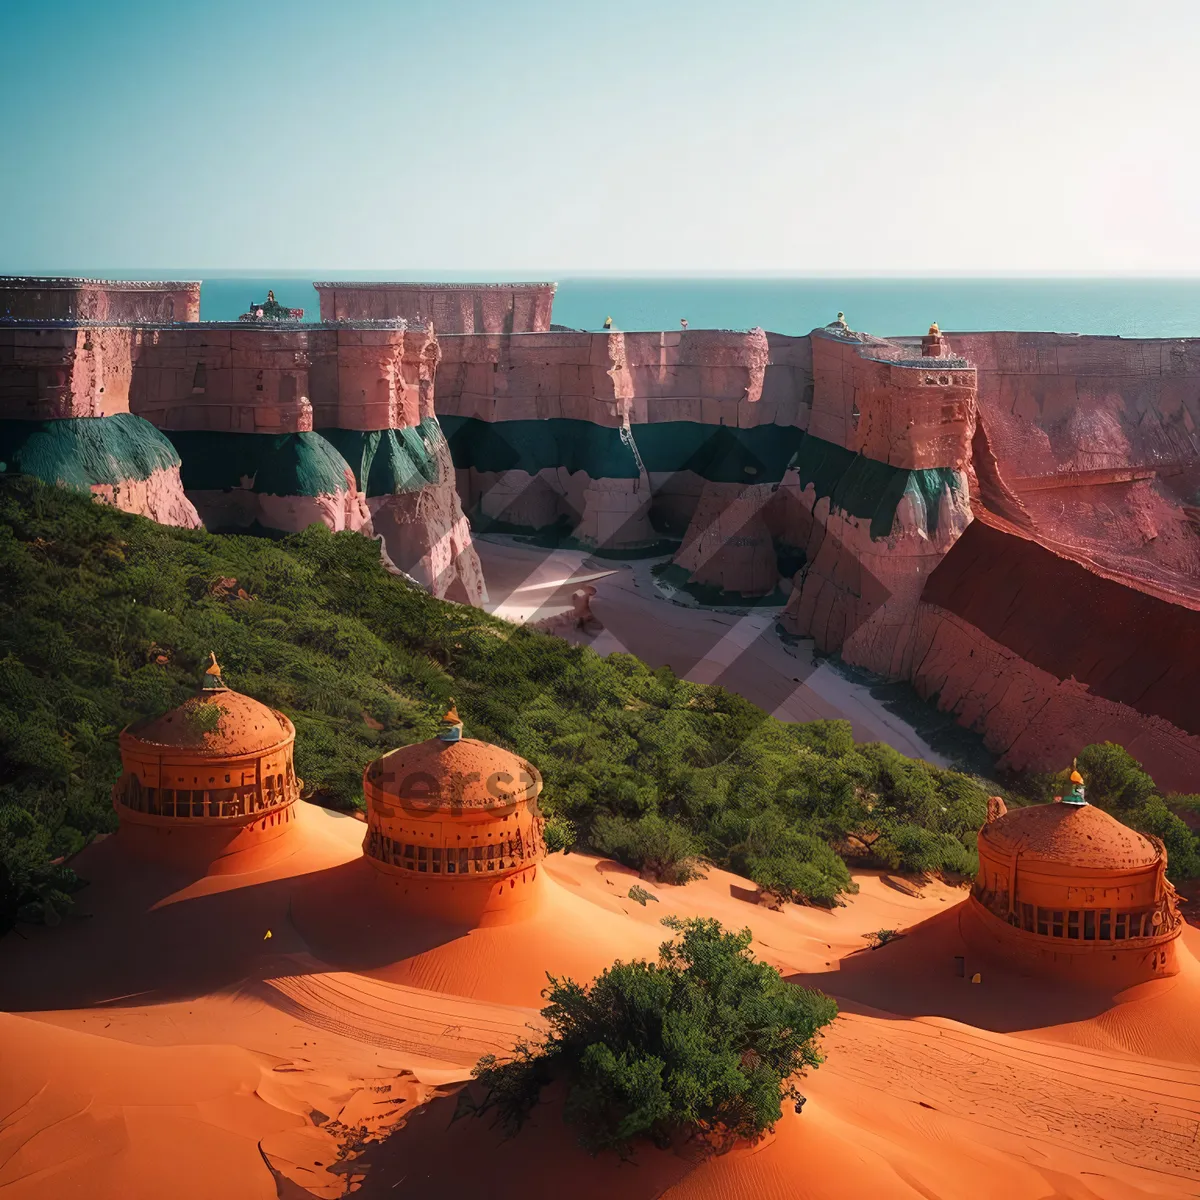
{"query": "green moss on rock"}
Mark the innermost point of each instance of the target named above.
(869, 489)
(82, 452)
(276, 464)
(389, 462)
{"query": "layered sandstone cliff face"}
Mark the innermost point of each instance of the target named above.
(613, 437)
(64, 417)
(1042, 654)
(274, 428)
(284, 428)
(1068, 613)
(877, 494)
(1100, 439)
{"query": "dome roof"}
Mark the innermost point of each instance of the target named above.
(467, 773)
(216, 723)
(1081, 835)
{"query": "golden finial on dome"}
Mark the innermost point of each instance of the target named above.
(211, 681)
(1076, 794)
(452, 724)
(934, 331)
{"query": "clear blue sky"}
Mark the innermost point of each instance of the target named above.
(614, 135)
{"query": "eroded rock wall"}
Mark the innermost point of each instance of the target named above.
(239, 405)
(614, 435)
(1099, 437)
(50, 372)
(50, 299)
(451, 307)
(1042, 655)
(877, 493)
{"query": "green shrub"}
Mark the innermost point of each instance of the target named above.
(1183, 846)
(559, 833)
(706, 1041)
(1114, 778)
(663, 849)
(917, 851)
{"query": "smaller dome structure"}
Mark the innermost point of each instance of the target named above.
(1069, 890)
(453, 823)
(217, 769)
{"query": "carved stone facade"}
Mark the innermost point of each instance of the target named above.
(1067, 890)
(453, 826)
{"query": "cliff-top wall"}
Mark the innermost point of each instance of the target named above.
(889, 403)
(452, 307)
(49, 299)
(269, 425)
(266, 379)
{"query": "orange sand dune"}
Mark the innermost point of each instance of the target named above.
(167, 1047)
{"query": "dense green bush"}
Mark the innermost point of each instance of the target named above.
(662, 848)
(706, 1041)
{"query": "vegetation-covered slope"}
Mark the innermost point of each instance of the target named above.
(106, 617)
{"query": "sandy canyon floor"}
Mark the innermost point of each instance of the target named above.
(160, 1043)
(737, 649)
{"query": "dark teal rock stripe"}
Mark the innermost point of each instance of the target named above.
(715, 452)
(79, 452)
(868, 489)
(390, 461)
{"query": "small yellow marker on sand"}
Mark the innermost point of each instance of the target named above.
(266, 935)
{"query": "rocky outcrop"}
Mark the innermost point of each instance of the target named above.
(1042, 654)
(1099, 437)
(871, 534)
(877, 493)
(121, 460)
(275, 426)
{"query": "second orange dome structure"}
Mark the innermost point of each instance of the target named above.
(453, 824)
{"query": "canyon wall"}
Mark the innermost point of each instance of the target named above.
(1042, 654)
(614, 436)
(451, 307)
(878, 493)
(1009, 521)
(46, 299)
(272, 427)
(1069, 611)
(1100, 439)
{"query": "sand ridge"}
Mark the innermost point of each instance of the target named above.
(158, 1043)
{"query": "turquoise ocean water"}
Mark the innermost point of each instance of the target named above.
(1130, 307)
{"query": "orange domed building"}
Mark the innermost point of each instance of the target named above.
(1067, 890)
(208, 779)
(453, 824)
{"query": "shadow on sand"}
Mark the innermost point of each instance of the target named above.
(142, 933)
(917, 975)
